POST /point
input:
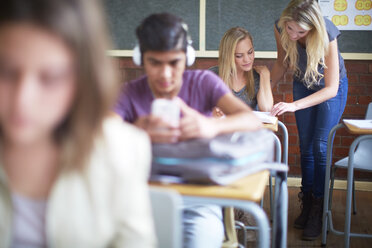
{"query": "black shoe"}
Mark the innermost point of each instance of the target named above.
(306, 199)
(313, 227)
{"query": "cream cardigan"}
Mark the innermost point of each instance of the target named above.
(105, 206)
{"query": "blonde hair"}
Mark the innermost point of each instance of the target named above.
(80, 24)
(226, 60)
(307, 14)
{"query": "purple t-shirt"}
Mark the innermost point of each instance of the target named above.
(200, 89)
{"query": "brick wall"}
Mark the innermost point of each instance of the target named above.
(359, 95)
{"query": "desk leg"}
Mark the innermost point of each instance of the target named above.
(326, 184)
(285, 142)
(278, 158)
(280, 211)
(250, 207)
(350, 175)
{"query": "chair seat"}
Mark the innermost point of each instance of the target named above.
(343, 163)
(362, 157)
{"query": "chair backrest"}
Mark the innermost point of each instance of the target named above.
(363, 153)
(369, 112)
(166, 209)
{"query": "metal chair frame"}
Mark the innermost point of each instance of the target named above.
(360, 141)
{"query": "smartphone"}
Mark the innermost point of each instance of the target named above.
(167, 109)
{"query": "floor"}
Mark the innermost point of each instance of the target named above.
(361, 222)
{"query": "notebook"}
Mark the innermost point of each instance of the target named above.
(362, 124)
(266, 117)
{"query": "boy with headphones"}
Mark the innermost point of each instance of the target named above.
(164, 50)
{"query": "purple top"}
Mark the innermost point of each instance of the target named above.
(200, 89)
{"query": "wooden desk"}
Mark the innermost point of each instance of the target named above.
(272, 127)
(355, 130)
(244, 194)
(241, 194)
(250, 188)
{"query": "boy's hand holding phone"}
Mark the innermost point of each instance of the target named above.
(162, 125)
(168, 110)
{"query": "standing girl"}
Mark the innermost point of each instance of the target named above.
(307, 45)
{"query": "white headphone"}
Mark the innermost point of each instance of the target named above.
(190, 51)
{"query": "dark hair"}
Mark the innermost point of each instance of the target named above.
(80, 24)
(162, 32)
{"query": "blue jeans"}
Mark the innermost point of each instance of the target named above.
(314, 124)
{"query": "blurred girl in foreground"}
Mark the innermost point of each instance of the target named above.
(67, 177)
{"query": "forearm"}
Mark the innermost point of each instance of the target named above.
(265, 96)
(239, 117)
(306, 102)
(316, 98)
(245, 121)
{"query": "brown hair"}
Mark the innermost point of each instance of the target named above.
(81, 25)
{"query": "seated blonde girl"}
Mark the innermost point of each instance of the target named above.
(236, 68)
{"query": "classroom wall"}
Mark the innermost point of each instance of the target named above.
(359, 95)
(208, 20)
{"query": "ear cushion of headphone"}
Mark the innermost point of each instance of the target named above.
(190, 55)
(137, 56)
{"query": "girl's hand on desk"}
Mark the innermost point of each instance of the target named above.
(282, 107)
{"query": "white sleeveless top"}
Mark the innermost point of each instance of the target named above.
(28, 229)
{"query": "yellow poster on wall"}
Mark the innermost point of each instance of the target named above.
(348, 15)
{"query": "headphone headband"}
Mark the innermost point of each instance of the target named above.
(190, 51)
